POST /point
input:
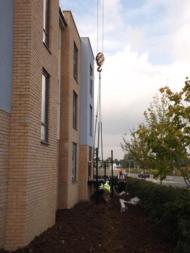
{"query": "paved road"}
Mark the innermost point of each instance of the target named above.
(170, 180)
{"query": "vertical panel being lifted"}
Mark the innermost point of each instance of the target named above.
(6, 44)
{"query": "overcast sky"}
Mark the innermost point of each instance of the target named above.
(146, 46)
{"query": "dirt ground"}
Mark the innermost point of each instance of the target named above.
(100, 228)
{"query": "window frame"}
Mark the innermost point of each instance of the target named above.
(75, 62)
(46, 22)
(90, 162)
(91, 87)
(44, 124)
(74, 162)
(75, 110)
(91, 81)
(90, 120)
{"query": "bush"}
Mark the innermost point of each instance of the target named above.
(168, 206)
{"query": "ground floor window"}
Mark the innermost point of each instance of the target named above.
(44, 106)
(90, 163)
(74, 162)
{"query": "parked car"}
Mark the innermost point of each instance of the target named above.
(143, 175)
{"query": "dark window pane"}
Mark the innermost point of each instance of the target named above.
(91, 71)
(91, 117)
(91, 87)
(91, 81)
(74, 161)
(75, 62)
(90, 163)
(75, 101)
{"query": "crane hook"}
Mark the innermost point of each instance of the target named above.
(99, 61)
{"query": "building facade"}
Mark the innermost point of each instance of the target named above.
(68, 190)
(86, 116)
(40, 87)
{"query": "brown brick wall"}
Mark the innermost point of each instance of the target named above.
(32, 186)
(32, 168)
(68, 191)
(42, 176)
(19, 126)
(4, 139)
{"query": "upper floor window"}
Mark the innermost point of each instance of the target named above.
(91, 81)
(75, 62)
(46, 5)
(44, 107)
(91, 118)
(75, 108)
(91, 71)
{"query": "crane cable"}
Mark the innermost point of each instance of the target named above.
(99, 61)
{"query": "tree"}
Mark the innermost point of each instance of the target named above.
(116, 161)
(137, 147)
(179, 112)
(162, 140)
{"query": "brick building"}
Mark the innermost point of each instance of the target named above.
(41, 162)
(70, 106)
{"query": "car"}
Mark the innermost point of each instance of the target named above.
(143, 175)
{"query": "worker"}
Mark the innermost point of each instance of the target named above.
(121, 176)
(106, 191)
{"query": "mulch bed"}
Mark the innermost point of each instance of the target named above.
(100, 228)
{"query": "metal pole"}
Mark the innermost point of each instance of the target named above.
(111, 172)
(96, 175)
(102, 144)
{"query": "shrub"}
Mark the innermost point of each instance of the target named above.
(168, 206)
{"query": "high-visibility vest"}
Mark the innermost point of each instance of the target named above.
(106, 187)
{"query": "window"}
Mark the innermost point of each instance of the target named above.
(90, 154)
(74, 162)
(75, 101)
(44, 107)
(90, 163)
(91, 87)
(91, 81)
(91, 71)
(46, 22)
(91, 117)
(59, 87)
(75, 62)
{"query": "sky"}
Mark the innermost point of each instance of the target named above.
(146, 46)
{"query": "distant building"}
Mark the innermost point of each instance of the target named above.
(45, 142)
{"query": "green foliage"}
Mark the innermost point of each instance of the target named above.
(179, 111)
(137, 148)
(162, 142)
(169, 207)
